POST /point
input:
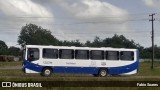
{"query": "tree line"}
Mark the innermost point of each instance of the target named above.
(5, 50)
(32, 34)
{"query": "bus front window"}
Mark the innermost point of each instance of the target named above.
(33, 54)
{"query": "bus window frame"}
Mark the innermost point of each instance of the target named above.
(72, 53)
(88, 54)
(31, 58)
(57, 54)
(118, 55)
(132, 56)
(103, 56)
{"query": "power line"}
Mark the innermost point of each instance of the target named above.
(100, 16)
(94, 22)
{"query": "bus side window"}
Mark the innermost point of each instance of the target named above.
(112, 55)
(127, 55)
(66, 54)
(81, 54)
(33, 54)
(50, 53)
(97, 55)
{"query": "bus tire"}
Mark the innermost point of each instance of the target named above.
(103, 72)
(46, 71)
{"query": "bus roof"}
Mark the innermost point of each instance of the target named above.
(83, 48)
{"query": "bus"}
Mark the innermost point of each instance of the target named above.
(101, 61)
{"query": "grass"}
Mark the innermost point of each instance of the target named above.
(144, 71)
(3, 64)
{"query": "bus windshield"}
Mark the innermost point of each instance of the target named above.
(32, 54)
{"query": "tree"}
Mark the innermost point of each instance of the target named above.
(76, 43)
(3, 48)
(14, 51)
(117, 41)
(36, 35)
(147, 52)
(70, 43)
(3, 45)
(88, 44)
(97, 42)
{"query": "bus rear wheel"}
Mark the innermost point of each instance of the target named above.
(46, 72)
(103, 72)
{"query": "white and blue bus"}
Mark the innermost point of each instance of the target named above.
(80, 60)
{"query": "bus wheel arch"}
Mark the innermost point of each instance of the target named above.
(103, 72)
(47, 71)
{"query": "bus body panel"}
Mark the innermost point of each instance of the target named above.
(82, 69)
(81, 66)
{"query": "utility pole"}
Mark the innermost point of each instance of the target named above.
(152, 15)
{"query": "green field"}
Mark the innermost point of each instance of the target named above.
(145, 74)
(3, 64)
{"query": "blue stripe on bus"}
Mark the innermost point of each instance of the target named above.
(123, 69)
(32, 66)
(126, 68)
(84, 70)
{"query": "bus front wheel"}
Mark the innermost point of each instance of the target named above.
(103, 72)
(46, 72)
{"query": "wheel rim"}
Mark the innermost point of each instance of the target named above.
(103, 73)
(47, 72)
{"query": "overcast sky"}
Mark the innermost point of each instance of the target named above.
(81, 19)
